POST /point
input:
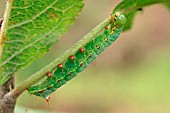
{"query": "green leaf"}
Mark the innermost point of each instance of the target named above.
(131, 7)
(19, 109)
(34, 26)
(168, 5)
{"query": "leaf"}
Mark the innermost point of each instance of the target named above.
(34, 26)
(131, 7)
(19, 109)
(168, 5)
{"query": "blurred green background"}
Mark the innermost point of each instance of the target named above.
(130, 76)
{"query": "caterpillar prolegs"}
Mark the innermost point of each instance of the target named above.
(77, 62)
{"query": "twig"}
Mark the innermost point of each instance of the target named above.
(4, 25)
(7, 102)
(40, 74)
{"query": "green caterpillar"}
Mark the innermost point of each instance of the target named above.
(77, 62)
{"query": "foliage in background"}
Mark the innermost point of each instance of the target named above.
(168, 5)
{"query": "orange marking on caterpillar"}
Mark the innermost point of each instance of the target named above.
(71, 57)
(81, 64)
(48, 87)
(48, 74)
(59, 66)
(106, 27)
(40, 91)
(69, 73)
(81, 50)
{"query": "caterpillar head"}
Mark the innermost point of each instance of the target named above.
(119, 19)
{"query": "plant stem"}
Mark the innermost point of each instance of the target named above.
(7, 102)
(40, 74)
(5, 24)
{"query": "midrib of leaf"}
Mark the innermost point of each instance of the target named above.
(3, 29)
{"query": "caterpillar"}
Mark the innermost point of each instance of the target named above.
(77, 62)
